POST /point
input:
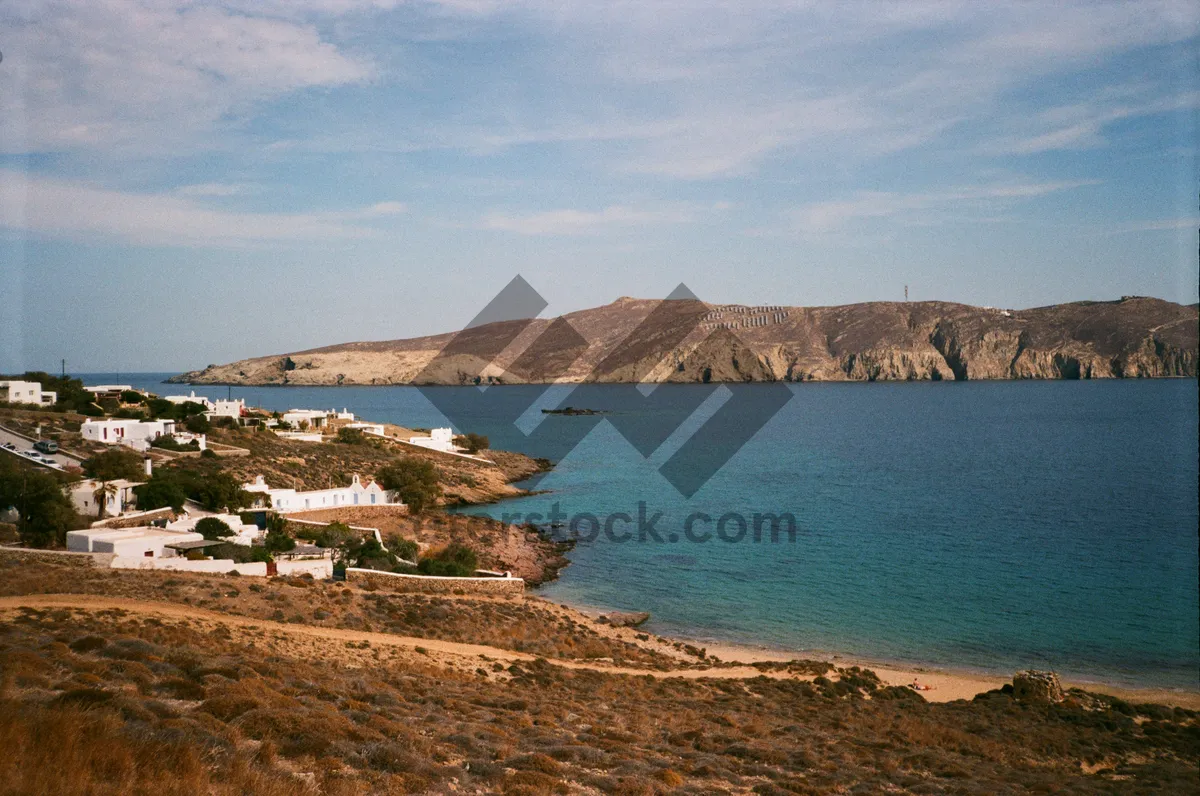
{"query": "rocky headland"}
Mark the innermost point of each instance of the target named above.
(688, 341)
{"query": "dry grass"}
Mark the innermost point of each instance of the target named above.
(112, 702)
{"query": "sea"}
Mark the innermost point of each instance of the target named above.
(979, 526)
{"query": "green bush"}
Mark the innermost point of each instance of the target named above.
(474, 442)
(169, 443)
(115, 464)
(198, 424)
(454, 560)
(279, 542)
(402, 548)
(415, 482)
(352, 436)
(212, 528)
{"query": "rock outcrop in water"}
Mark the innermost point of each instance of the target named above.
(635, 340)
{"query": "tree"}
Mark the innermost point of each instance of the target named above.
(402, 548)
(415, 482)
(454, 560)
(115, 464)
(132, 397)
(162, 490)
(474, 442)
(45, 513)
(101, 495)
(279, 542)
(351, 436)
(198, 424)
(211, 528)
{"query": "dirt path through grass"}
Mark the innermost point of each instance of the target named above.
(450, 648)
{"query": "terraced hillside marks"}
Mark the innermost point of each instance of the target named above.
(637, 340)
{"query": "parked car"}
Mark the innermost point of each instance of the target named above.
(46, 446)
(10, 446)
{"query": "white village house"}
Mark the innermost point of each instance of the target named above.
(137, 542)
(26, 392)
(99, 391)
(87, 499)
(288, 500)
(193, 398)
(136, 434)
(235, 408)
(439, 439)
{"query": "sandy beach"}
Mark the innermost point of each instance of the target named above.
(945, 685)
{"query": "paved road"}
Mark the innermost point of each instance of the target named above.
(60, 460)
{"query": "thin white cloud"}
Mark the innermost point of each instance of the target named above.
(921, 208)
(582, 222)
(1161, 225)
(45, 206)
(211, 189)
(119, 76)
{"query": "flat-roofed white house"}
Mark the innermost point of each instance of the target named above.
(193, 398)
(367, 428)
(234, 407)
(111, 390)
(315, 418)
(120, 431)
(26, 392)
(439, 439)
(288, 500)
(88, 500)
(145, 542)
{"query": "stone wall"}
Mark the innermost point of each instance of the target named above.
(25, 554)
(429, 584)
(136, 520)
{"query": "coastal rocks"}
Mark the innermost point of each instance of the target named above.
(624, 619)
(1037, 688)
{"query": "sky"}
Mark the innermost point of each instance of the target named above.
(186, 183)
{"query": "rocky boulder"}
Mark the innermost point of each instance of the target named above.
(631, 619)
(1037, 688)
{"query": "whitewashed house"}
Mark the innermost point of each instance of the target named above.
(439, 439)
(137, 434)
(235, 408)
(26, 392)
(99, 391)
(193, 398)
(288, 500)
(135, 542)
(87, 499)
(314, 418)
(367, 428)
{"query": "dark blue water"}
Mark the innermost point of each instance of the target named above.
(985, 525)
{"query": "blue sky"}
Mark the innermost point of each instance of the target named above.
(183, 183)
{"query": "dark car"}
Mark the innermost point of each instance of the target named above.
(46, 446)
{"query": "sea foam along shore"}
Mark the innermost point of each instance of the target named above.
(945, 685)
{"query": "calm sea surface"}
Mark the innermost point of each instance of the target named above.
(983, 525)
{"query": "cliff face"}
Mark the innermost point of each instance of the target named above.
(688, 341)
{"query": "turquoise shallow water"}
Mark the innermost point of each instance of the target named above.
(985, 525)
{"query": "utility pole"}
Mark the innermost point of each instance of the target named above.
(906, 292)
(64, 369)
